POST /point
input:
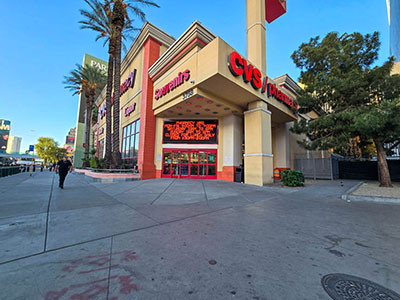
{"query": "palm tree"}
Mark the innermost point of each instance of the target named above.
(119, 15)
(89, 81)
(99, 19)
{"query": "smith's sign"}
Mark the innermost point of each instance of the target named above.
(240, 67)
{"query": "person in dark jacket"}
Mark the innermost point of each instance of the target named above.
(62, 167)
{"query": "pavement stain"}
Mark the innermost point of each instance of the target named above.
(337, 253)
(335, 240)
(78, 269)
(212, 262)
(361, 245)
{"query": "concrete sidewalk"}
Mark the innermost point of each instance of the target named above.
(154, 239)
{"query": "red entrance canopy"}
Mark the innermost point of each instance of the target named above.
(274, 9)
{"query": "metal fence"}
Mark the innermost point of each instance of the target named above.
(7, 171)
(318, 168)
(367, 170)
(335, 167)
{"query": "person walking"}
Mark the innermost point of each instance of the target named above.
(62, 167)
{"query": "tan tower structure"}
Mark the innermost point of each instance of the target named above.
(256, 52)
(258, 157)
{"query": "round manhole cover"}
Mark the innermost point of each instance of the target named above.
(347, 287)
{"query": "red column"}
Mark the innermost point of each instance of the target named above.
(147, 134)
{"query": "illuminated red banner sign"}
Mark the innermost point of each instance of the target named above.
(182, 77)
(191, 132)
(240, 67)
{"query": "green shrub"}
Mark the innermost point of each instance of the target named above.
(292, 178)
(93, 163)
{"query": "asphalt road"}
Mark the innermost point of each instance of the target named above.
(187, 239)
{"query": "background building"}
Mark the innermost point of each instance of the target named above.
(4, 133)
(80, 124)
(70, 140)
(14, 144)
(393, 7)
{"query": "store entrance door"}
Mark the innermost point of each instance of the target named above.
(190, 163)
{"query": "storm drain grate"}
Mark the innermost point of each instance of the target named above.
(347, 287)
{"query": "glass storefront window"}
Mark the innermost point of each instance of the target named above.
(203, 170)
(175, 158)
(137, 126)
(187, 163)
(175, 169)
(184, 158)
(184, 170)
(211, 170)
(194, 170)
(167, 157)
(211, 158)
(130, 144)
(194, 157)
(203, 157)
(167, 169)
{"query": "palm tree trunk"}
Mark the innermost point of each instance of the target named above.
(108, 150)
(383, 165)
(86, 163)
(117, 160)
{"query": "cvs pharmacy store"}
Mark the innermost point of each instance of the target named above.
(196, 108)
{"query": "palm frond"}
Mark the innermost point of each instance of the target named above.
(90, 76)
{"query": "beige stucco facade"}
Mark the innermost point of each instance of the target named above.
(214, 93)
(192, 79)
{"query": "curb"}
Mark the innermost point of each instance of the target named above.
(347, 196)
(107, 179)
(373, 199)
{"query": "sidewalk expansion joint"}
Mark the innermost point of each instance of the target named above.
(158, 197)
(109, 268)
(48, 212)
(115, 235)
(205, 193)
(139, 184)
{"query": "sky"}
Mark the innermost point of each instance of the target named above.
(42, 42)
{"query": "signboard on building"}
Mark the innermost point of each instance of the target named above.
(180, 79)
(239, 66)
(70, 140)
(4, 134)
(274, 9)
(191, 132)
